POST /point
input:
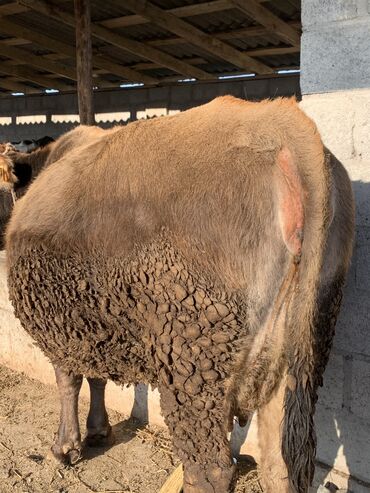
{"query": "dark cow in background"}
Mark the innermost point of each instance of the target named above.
(203, 253)
(25, 166)
(31, 145)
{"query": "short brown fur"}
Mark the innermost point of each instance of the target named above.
(35, 162)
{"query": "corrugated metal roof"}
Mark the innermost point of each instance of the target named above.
(229, 24)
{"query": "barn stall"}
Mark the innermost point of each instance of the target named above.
(66, 63)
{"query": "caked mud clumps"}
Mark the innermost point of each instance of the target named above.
(149, 319)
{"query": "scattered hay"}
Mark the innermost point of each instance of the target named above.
(159, 440)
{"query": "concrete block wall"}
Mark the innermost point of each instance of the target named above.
(335, 52)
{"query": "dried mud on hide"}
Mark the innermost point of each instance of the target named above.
(140, 461)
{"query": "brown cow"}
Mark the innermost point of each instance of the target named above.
(26, 166)
(203, 253)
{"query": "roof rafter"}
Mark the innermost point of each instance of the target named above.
(37, 61)
(195, 36)
(59, 47)
(15, 86)
(274, 50)
(266, 18)
(14, 41)
(244, 32)
(28, 74)
(243, 76)
(185, 11)
(12, 8)
(126, 44)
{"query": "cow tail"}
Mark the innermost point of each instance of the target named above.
(302, 333)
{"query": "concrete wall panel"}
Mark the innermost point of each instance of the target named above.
(335, 50)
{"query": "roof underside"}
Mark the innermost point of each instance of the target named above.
(152, 43)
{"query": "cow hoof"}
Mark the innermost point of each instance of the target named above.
(209, 479)
(67, 454)
(99, 438)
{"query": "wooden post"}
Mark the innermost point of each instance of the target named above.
(84, 62)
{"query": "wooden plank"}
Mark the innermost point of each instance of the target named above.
(12, 8)
(102, 83)
(10, 27)
(185, 11)
(182, 12)
(37, 61)
(244, 32)
(14, 86)
(127, 44)
(85, 95)
(59, 47)
(273, 50)
(132, 20)
(174, 482)
(14, 41)
(195, 36)
(151, 66)
(270, 50)
(266, 18)
(27, 74)
(172, 79)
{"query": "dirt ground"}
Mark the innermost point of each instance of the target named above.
(140, 461)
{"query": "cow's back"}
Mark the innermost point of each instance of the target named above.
(207, 175)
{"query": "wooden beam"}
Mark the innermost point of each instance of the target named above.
(195, 36)
(59, 47)
(244, 32)
(251, 31)
(134, 20)
(14, 41)
(172, 79)
(266, 18)
(14, 86)
(123, 71)
(37, 61)
(12, 8)
(11, 28)
(200, 61)
(98, 81)
(268, 51)
(151, 66)
(185, 11)
(273, 50)
(84, 62)
(126, 44)
(182, 12)
(28, 74)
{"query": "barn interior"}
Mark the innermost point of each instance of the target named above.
(147, 59)
(68, 62)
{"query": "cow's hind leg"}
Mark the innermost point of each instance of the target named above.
(274, 473)
(99, 431)
(67, 444)
(199, 430)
